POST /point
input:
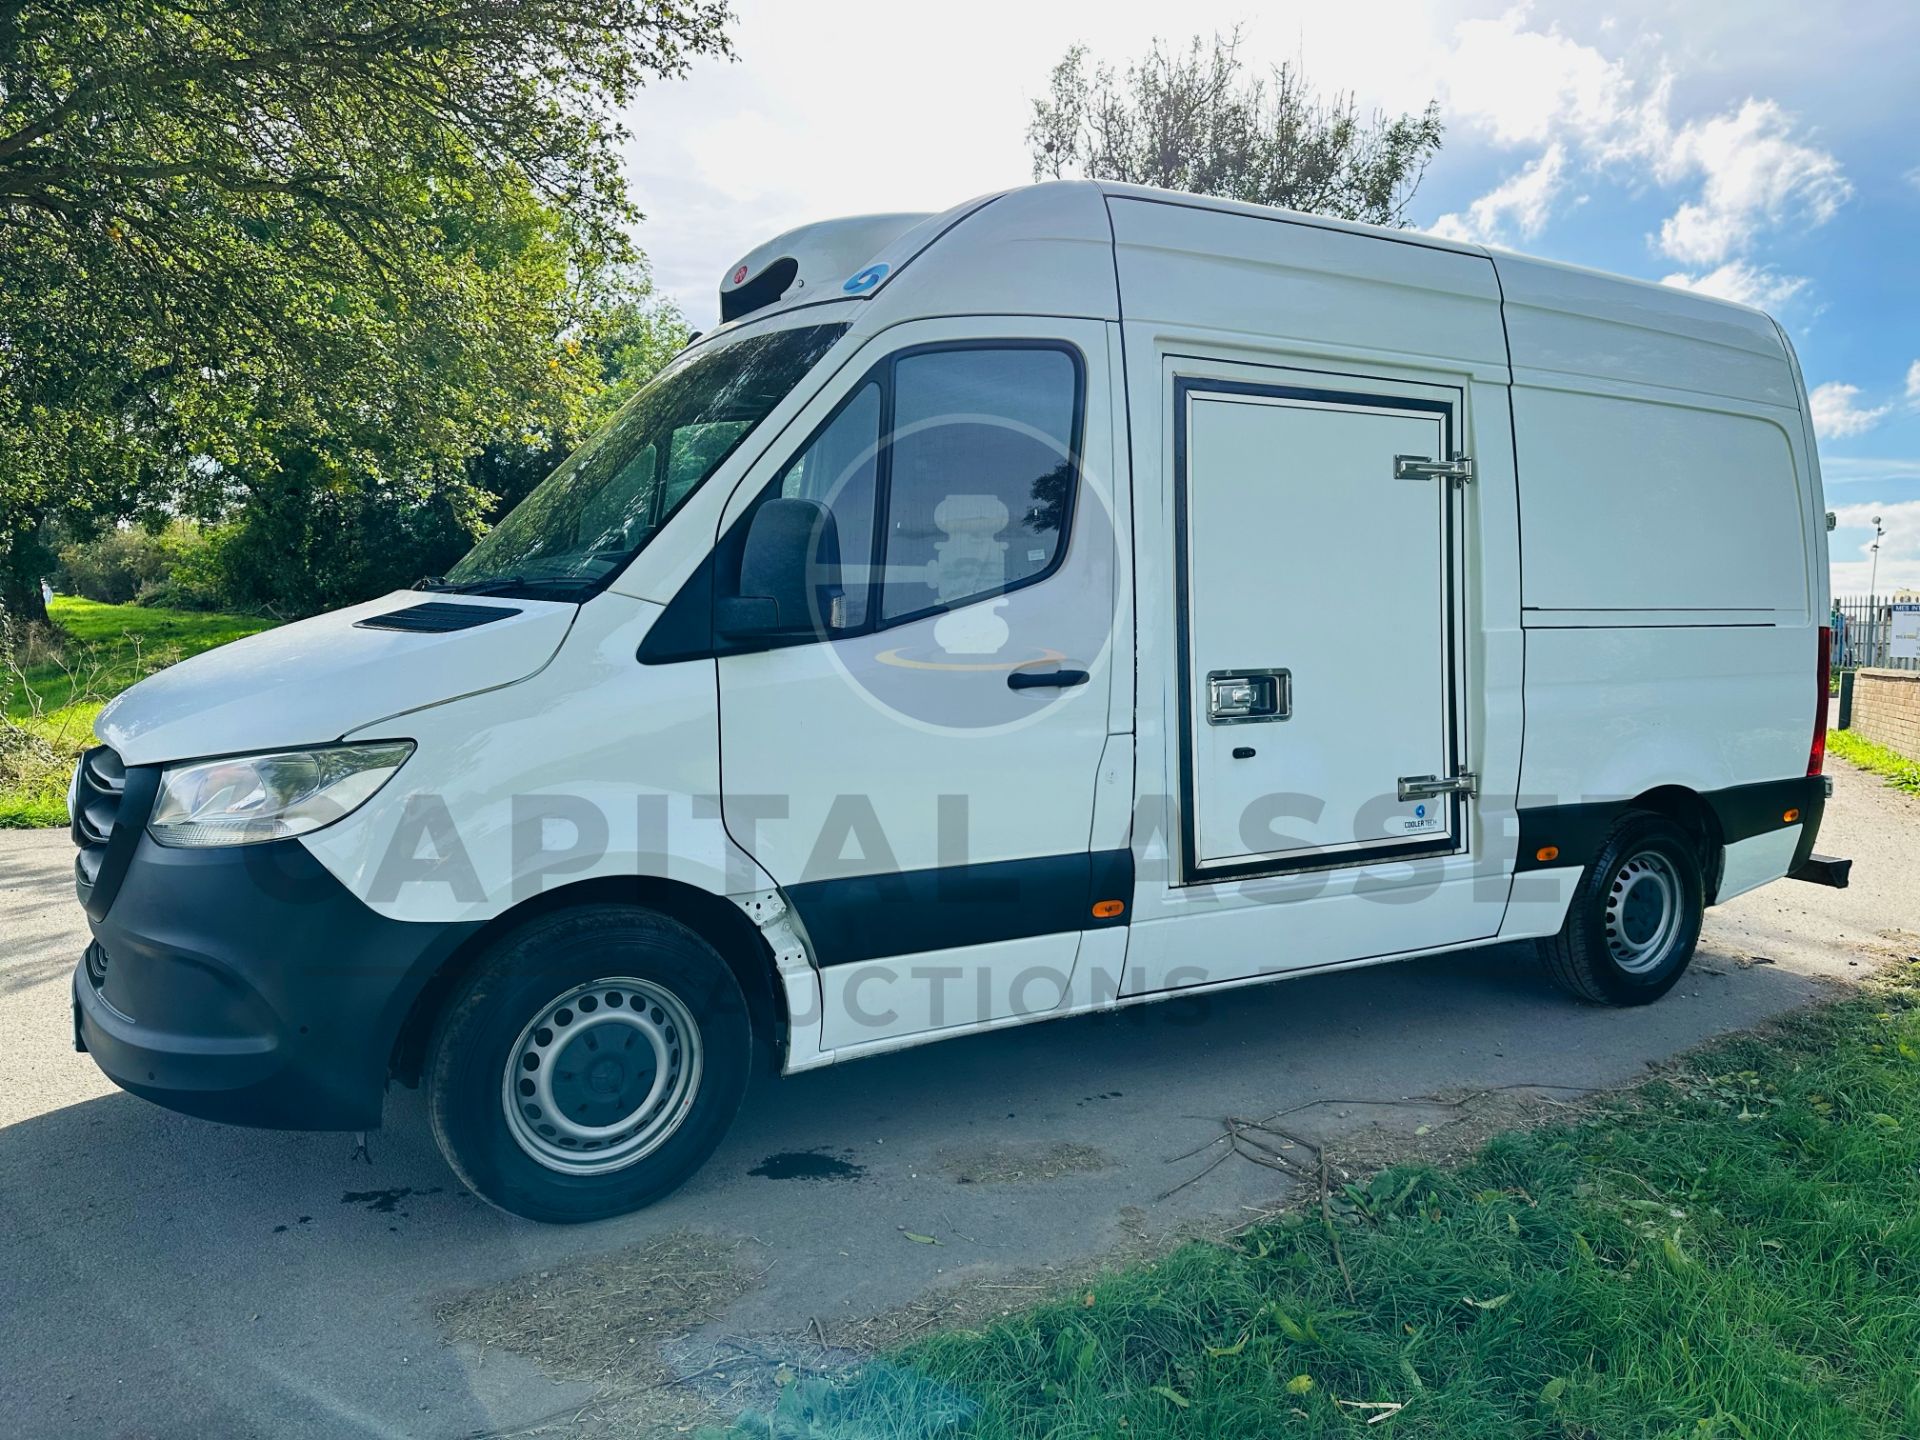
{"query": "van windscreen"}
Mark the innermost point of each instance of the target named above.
(611, 496)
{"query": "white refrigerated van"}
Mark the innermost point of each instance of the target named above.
(1084, 596)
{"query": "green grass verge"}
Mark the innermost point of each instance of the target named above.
(59, 680)
(33, 809)
(1901, 772)
(103, 649)
(1730, 1251)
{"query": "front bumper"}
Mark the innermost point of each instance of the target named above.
(246, 984)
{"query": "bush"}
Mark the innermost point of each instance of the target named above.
(177, 567)
(33, 767)
(112, 567)
(33, 778)
(198, 579)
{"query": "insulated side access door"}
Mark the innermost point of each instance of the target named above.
(1317, 565)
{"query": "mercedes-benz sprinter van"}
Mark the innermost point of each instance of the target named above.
(1085, 596)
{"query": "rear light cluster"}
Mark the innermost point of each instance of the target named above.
(1823, 673)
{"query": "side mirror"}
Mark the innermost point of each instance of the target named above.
(792, 547)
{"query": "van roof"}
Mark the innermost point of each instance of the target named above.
(860, 256)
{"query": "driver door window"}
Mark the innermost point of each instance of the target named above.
(981, 477)
(950, 476)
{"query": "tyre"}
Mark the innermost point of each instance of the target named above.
(588, 1064)
(1635, 919)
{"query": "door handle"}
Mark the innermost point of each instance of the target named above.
(1046, 679)
(1246, 697)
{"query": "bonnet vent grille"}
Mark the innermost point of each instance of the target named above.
(436, 617)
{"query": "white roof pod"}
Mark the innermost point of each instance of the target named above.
(1040, 249)
(808, 262)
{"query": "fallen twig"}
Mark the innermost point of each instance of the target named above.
(1333, 1236)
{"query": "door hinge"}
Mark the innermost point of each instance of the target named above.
(1420, 467)
(1425, 787)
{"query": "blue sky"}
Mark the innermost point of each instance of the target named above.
(1765, 151)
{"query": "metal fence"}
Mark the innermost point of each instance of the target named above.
(1875, 630)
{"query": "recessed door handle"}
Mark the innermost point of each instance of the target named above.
(1247, 697)
(1046, 679)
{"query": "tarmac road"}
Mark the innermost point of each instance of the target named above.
(161, 1276)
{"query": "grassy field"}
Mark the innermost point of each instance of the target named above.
(1730, 1251)
(1898, 770)
(56, 683)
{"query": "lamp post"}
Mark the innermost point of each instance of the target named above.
(1873, 583)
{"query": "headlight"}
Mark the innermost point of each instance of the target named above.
(267, 797)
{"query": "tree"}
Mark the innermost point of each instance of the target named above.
(335, 242)
(1195, 122)
(313, 534)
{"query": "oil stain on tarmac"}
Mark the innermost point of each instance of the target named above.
(807, 1165)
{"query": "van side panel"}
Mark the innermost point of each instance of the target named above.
(1631, 504)
(1294, 286)
(1613, 712)
(1566, 321)
(1662, 451)
(1672, 577)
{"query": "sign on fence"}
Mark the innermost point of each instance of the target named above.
(1876, 630)
(1903, 633)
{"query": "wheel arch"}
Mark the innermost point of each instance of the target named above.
(1690, 811)
(714, 918)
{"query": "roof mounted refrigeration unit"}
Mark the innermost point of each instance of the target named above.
(809, 262)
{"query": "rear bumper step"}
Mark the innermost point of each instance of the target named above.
(1823, 870)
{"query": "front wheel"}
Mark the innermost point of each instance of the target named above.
(1635, 920)
(589, 1064)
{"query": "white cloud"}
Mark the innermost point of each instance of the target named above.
(932, 107)
(1913, 383)
(1737, 280)
(1836, 416)
(1899, 547)
(1753, 172)
(1525, 87)
(1753, 168)
(1867, 469)
(1519, 205)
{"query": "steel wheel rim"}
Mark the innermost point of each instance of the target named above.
(602, 1076)
(1643, 912)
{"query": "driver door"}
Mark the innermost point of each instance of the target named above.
(917, 772)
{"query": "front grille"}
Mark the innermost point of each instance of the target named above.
(96, 801)
(97, 797)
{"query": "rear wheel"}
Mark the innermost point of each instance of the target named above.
(1635, 920)
(589, 1064)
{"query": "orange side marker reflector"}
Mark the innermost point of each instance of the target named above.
(1791, 816)
(1107, 909)
(1546, 853)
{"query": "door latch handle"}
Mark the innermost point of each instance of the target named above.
(1046, 679)
(1243, 697)
(1426, 787)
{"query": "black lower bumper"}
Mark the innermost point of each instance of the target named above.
(246, 984)
(1823, 870)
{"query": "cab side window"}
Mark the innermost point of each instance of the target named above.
(950, 475)
(981, 474)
